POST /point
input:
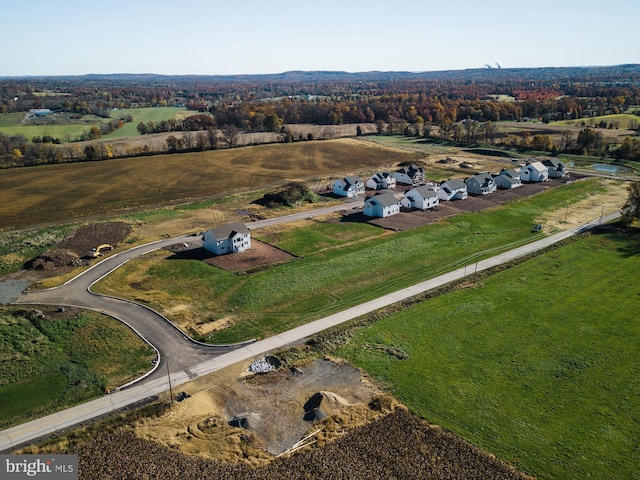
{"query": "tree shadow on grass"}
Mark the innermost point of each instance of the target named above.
(627, 237)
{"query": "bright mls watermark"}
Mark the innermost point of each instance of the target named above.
(51, 467)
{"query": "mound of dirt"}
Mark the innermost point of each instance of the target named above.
(322, 405)
(70, 252)
(53, 259)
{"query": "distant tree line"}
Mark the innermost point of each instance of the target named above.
(459, 106)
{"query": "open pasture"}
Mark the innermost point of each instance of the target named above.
(624, 121)
(66, 128)
(535, 364)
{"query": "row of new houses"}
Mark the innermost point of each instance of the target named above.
(540, 171)
(426, 197)
(235, 237)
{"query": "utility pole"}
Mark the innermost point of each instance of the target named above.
(602, 215)
(169, 377)
(475, 273)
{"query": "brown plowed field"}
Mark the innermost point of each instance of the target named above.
(399, 445)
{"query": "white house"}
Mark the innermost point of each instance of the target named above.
(381, 181)
(230, 238)
(454, 189)
(534, 172)
(481, 184)
(410, 175)
(351, 186)
(556, 168)
(508, 178)
(381, 205)
(422, 198)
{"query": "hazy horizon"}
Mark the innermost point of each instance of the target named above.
(210, 37)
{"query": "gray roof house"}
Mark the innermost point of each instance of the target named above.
(508, 178)
(381, 181)
(422, 198)
(454, 189)
(555, 167)
(381, 205)
(229, 238)
(350, 186)
(481, 184)
(410, 175)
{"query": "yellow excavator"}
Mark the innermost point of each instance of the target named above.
(97, 252)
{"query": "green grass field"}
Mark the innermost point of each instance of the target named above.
(59, 127)
(145, 115)
(63, 359)
(625, 121)
(327, 279)
(537, 364)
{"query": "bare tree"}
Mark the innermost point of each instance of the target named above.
(212, 135)
(230, 134)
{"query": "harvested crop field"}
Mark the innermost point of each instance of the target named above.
(399, 445)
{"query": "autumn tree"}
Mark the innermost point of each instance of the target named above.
(541, 142)
(631, 209)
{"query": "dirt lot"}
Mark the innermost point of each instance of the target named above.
(74, 250)
(272, 405)
(259, 255)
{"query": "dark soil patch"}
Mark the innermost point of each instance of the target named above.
(74, 249)
(259, 255)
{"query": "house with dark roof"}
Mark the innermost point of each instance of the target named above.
(381, 205)
(421, 198)
(508, 178)
(411, 175)
(381, 181)
(230, 238)
(350, 186)
(454, 189)
(481, 184)
(534, 172)
(555, 167)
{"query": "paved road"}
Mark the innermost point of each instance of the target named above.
(158, 331)
(196, 363)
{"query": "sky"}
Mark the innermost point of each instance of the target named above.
(227, 37)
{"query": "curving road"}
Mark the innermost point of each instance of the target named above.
(190, 359)
(158, 331)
